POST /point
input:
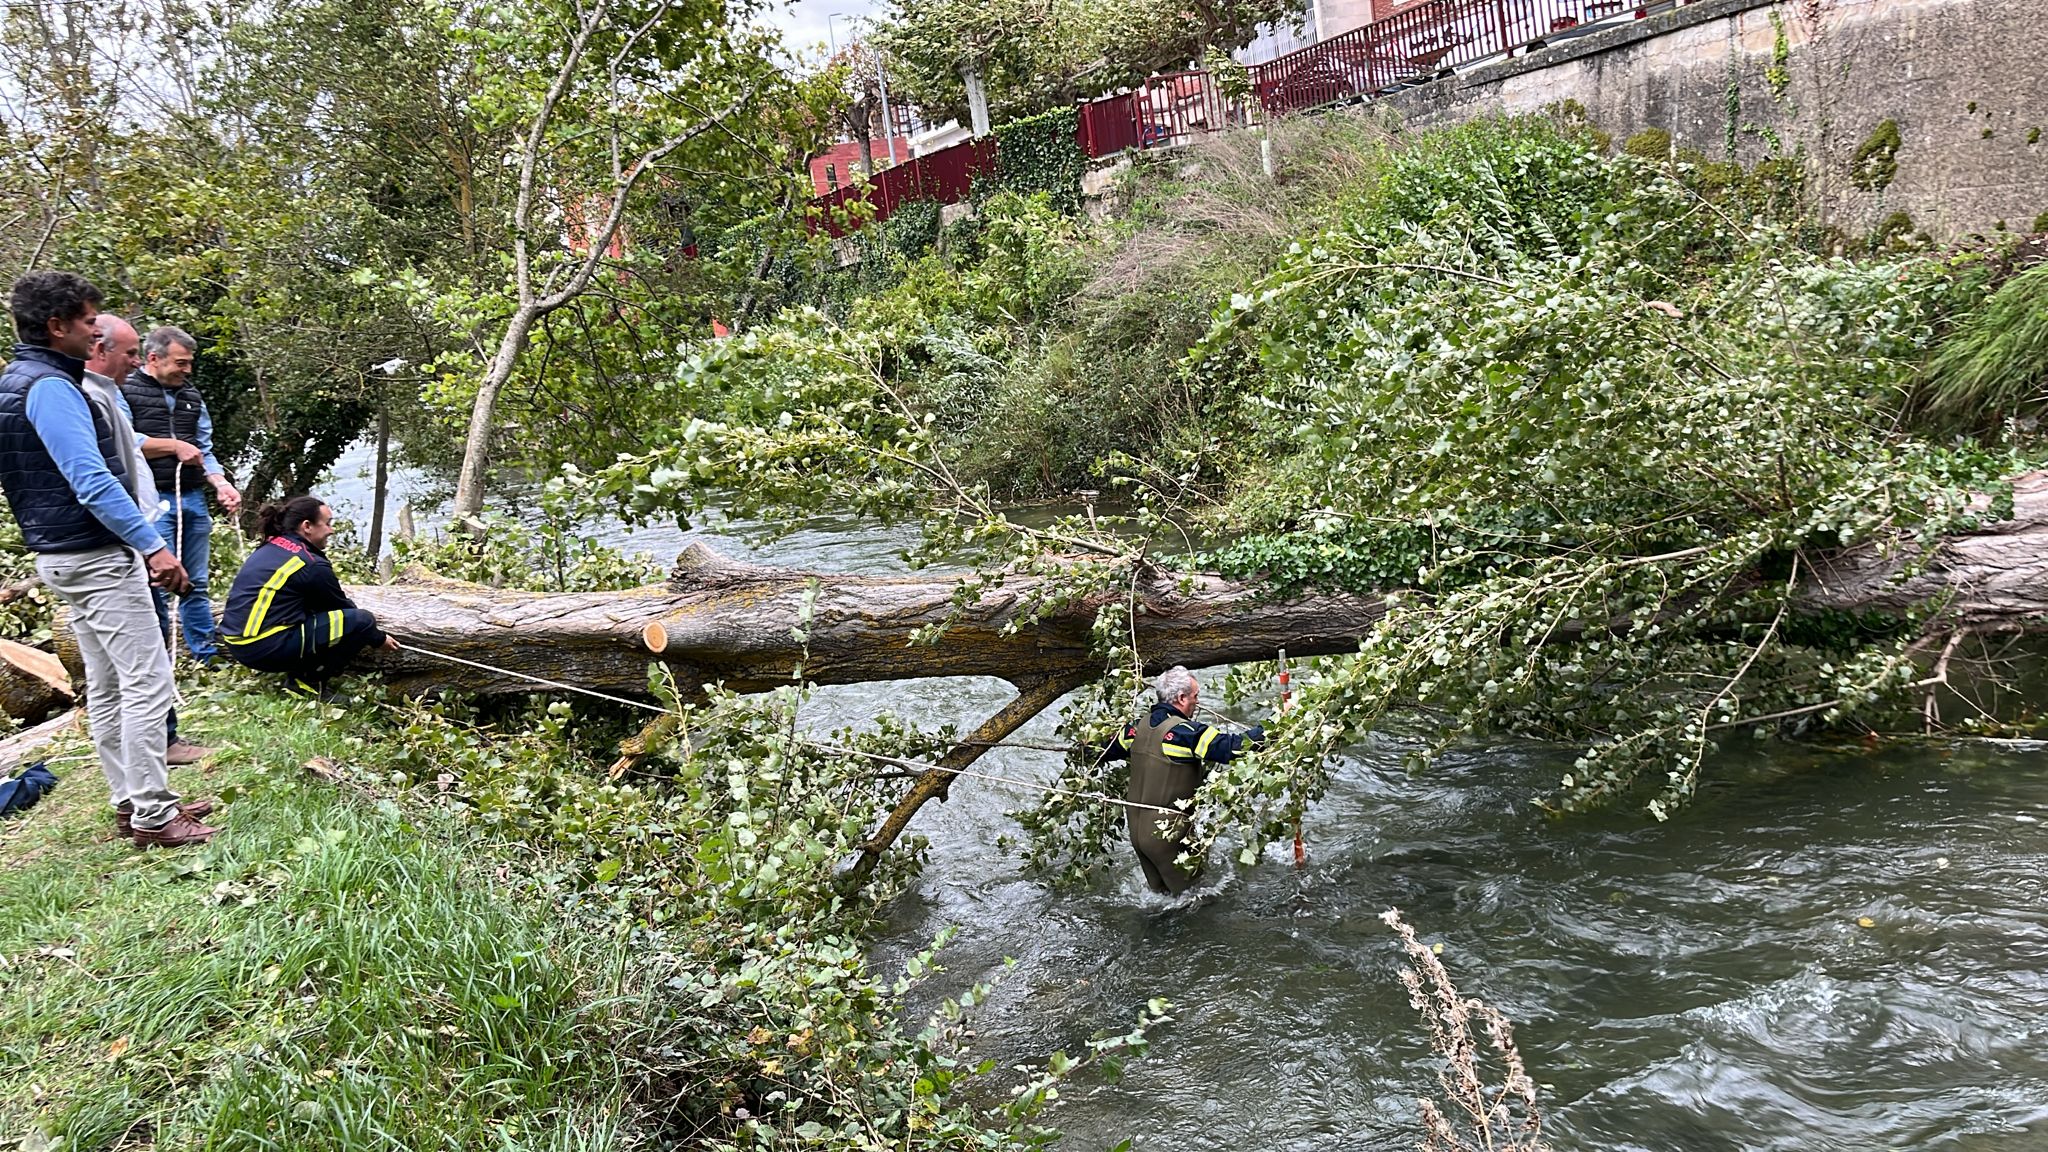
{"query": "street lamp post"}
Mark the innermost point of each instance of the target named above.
(888, 126)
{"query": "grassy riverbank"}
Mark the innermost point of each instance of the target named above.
(339, 971)
(460, 934)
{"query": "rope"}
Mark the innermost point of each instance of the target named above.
(836, 749)
(177, 550)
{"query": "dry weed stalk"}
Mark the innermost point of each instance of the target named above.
(1232, 205)
(1486, 1115)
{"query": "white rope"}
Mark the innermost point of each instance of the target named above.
(1027, 785)
(178, 551)
(541, 680)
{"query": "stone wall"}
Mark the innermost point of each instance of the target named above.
(1960, 85)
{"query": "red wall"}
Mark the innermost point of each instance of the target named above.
(844, 157)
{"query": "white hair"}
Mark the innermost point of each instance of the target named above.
(105, 325)
(1173, 684)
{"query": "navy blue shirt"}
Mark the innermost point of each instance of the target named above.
(57, 411)
(1187, 740)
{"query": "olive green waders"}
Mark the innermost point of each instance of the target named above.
(1163, 781)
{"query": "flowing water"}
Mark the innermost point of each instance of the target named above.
(1831, 948)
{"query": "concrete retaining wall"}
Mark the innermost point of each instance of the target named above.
(1964, 81)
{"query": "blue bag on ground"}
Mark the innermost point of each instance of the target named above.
(20, 792)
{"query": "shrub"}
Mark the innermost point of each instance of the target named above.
(1652, 144)
(1042, 154)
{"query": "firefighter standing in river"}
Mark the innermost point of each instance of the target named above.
(1170, 753)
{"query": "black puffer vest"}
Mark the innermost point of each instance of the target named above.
(51, 518)
(154, 417)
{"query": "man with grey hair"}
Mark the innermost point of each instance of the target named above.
(116, 352)
(171, 423)
(1170, 752)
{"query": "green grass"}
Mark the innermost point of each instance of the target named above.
(1996, 363)
(335, 971)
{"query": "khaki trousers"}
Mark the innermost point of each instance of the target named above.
(127, 672)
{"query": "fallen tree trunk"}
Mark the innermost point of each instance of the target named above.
(754, 628)
(33, 683)
(1993, 580)
(746, 627)
(749, 628)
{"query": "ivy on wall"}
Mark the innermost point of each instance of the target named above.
(1041, 154)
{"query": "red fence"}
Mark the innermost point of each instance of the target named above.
(1413, 44)
(1418, 42)
(1165, 110)
(943, 176)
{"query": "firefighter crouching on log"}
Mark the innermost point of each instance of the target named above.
(286, 611)
(1170, 752)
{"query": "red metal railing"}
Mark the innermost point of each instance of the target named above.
(944, 176)
(1109, 125)
(1172, 108)
(1418, 42)
(1414, 43)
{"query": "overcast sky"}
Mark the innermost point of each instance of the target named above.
(804, 22)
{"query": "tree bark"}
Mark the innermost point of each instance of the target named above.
(33, 683)
(717, 620)
(31, 743)
(476, 450)
(1993, 580)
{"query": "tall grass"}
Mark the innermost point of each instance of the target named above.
(1995, 364)
(1103, 374)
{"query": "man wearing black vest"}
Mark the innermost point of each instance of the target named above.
(64, 474)
(167, 412)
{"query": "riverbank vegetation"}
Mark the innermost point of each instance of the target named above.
(1590, 423)
(429, 928)
(1595, 420)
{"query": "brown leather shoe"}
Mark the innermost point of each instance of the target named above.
(180, 832)
(183, 751)
(124, 816)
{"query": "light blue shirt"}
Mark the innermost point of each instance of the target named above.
(58, 412)
(211, 466)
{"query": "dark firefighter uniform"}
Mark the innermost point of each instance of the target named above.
(287, 613)
(1169, 755)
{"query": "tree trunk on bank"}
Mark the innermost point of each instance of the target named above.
(720, 620)
(745, 626)
(33, 683)
(31, 743)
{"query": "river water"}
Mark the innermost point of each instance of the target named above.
(1830, 948)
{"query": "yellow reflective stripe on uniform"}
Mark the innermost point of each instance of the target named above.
(264, 635)
(1202, 745)
(333, 624)
(1175, 751)
(1124, 741)
(264, 597)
